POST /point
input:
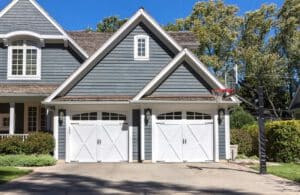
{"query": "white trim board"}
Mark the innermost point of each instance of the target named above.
(191, 59)
(139, 16)
(51, 20)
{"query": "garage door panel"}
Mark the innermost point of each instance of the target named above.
(169, 142)
(83, 142)
(198, 146)
(184, 138)
(114, 143)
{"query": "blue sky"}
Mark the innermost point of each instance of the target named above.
(80, 14)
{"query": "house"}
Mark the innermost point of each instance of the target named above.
(136, 95)
(295, 105)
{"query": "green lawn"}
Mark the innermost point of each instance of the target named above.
(9, 173)
(289, 171)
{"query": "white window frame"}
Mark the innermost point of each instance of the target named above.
(24, 47)
(136, 56)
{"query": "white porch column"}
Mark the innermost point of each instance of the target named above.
(55, 134)
(227, 134)
(142, 134)
(216, 137)
(12, 118)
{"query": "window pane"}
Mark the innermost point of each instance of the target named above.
(141, 47)
(31, 61)
(32, 118)
(17, 62)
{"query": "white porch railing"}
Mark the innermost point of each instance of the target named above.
(23, 136)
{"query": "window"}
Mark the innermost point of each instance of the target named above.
(43, 119)
(24, 60)
(107, 116)
(5, 122)
(32, 118)
(85, 116)
(141, 47)
(197, 116)
(170, 116)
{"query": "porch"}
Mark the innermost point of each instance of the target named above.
(20, 119)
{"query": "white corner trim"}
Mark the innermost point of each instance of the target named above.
(137, 17)
(135, 46)
(142, 138)
(55, 133)
(8, 7)
(159, 77)
(227, 134)
(216, 138)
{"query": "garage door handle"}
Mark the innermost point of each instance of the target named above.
(99, 141)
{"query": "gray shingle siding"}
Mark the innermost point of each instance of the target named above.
(23, 16)
(222, 144)
(62, 139)
(148, 139)
(119, 74)
(57, 64)
(183, 81)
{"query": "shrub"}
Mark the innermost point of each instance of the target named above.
(27, 160)
(39, 143)
(247, 139)
(243, 139)
(283, 141)
(239, 118)
(11, 145)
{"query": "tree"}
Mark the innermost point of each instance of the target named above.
(110, 24)
(216, 26)
(287, 41)
(260, 65)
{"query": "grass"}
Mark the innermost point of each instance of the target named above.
(9, 173)
(289, 171)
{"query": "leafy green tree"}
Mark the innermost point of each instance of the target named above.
(260, 65)
(110, 24)
(287, 41)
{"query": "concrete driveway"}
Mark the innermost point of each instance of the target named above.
(197, 178)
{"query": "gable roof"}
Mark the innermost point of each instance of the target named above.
(64, 36)
(191, 59)
(92, 41)
(139, 17)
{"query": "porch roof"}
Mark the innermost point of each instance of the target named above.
(26, 89)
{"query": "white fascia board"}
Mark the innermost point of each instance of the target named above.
(8, 7)
(182, 102)
(209, 74)
(86, 103)
(160, 76)
(190, 57)
(59, 28)
(160, 30)
(139, 16)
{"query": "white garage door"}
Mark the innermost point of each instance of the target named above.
(99, 137)
(184, 136)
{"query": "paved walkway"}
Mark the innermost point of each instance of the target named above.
(196, 178)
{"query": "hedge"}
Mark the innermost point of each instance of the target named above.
(283, 140)
(36, 143)
(27, 160)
